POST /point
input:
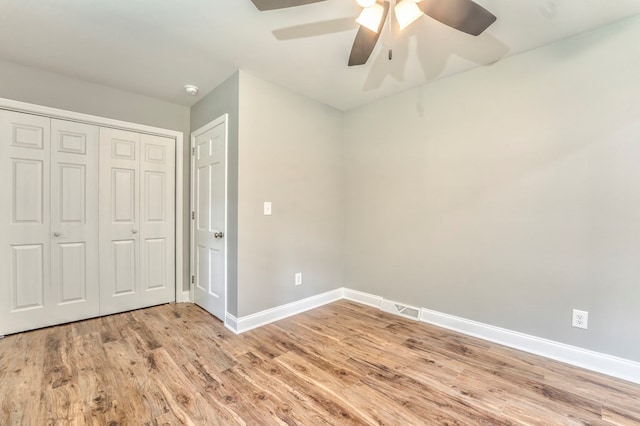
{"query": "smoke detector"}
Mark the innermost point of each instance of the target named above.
(191, 89)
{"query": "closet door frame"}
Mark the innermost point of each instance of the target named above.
(55, 113)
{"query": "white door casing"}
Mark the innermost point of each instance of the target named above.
(209, 224)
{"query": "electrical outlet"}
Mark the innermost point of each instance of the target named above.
(298, 278)
(580, 319)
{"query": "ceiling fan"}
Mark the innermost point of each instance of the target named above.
(463, 15)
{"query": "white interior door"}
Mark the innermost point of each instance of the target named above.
(209, 224)
(119, 220)
(157, 220)
(26, 300)
(74, 220)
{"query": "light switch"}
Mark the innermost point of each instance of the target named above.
(267, 208)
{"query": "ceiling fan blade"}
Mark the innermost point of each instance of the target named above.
(281, 4)
(366, 40)
(316, 29)
(463, 15)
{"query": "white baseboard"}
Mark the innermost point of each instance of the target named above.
(584, 358)
(265, 317)
(231, 323)
(363, 298)
(185, 297)
(579, 357)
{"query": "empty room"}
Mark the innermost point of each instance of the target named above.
(306, 212)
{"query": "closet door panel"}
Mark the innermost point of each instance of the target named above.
(27, 283)
(25, 292)
(71, 263)
(74, 219)
(123, 267)
(119, 221)
(157, 226)
(27, 190)
(123, 197)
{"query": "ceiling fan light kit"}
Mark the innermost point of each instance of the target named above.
(371, 16)
(462, 15)
(407, 11)
(366, 40)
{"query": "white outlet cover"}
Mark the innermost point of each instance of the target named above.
(580, 319)
(267, 208)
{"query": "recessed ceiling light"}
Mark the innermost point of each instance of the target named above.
(191, 89)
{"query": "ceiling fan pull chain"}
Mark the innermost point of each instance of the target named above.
(390, 32)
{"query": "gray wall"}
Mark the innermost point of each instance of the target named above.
(291, 155)
(224, 100)
(57, 91)
(509, 194)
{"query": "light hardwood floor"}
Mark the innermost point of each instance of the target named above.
(343, 363)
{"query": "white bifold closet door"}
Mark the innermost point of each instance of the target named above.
(137, 222)
(74, 220)
(48, 225)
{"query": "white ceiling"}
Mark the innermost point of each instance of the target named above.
(154, 47)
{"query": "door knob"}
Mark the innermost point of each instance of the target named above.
(134, 231)
(218, 235)
(56, 234)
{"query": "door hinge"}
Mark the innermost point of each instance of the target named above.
(193, 279)
(193, 215)
(193, 150)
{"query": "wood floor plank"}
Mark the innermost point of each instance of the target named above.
(295, 407)
(343, 363)
(24, 375)
(621, 416)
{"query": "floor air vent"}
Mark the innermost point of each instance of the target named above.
(400, 309)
